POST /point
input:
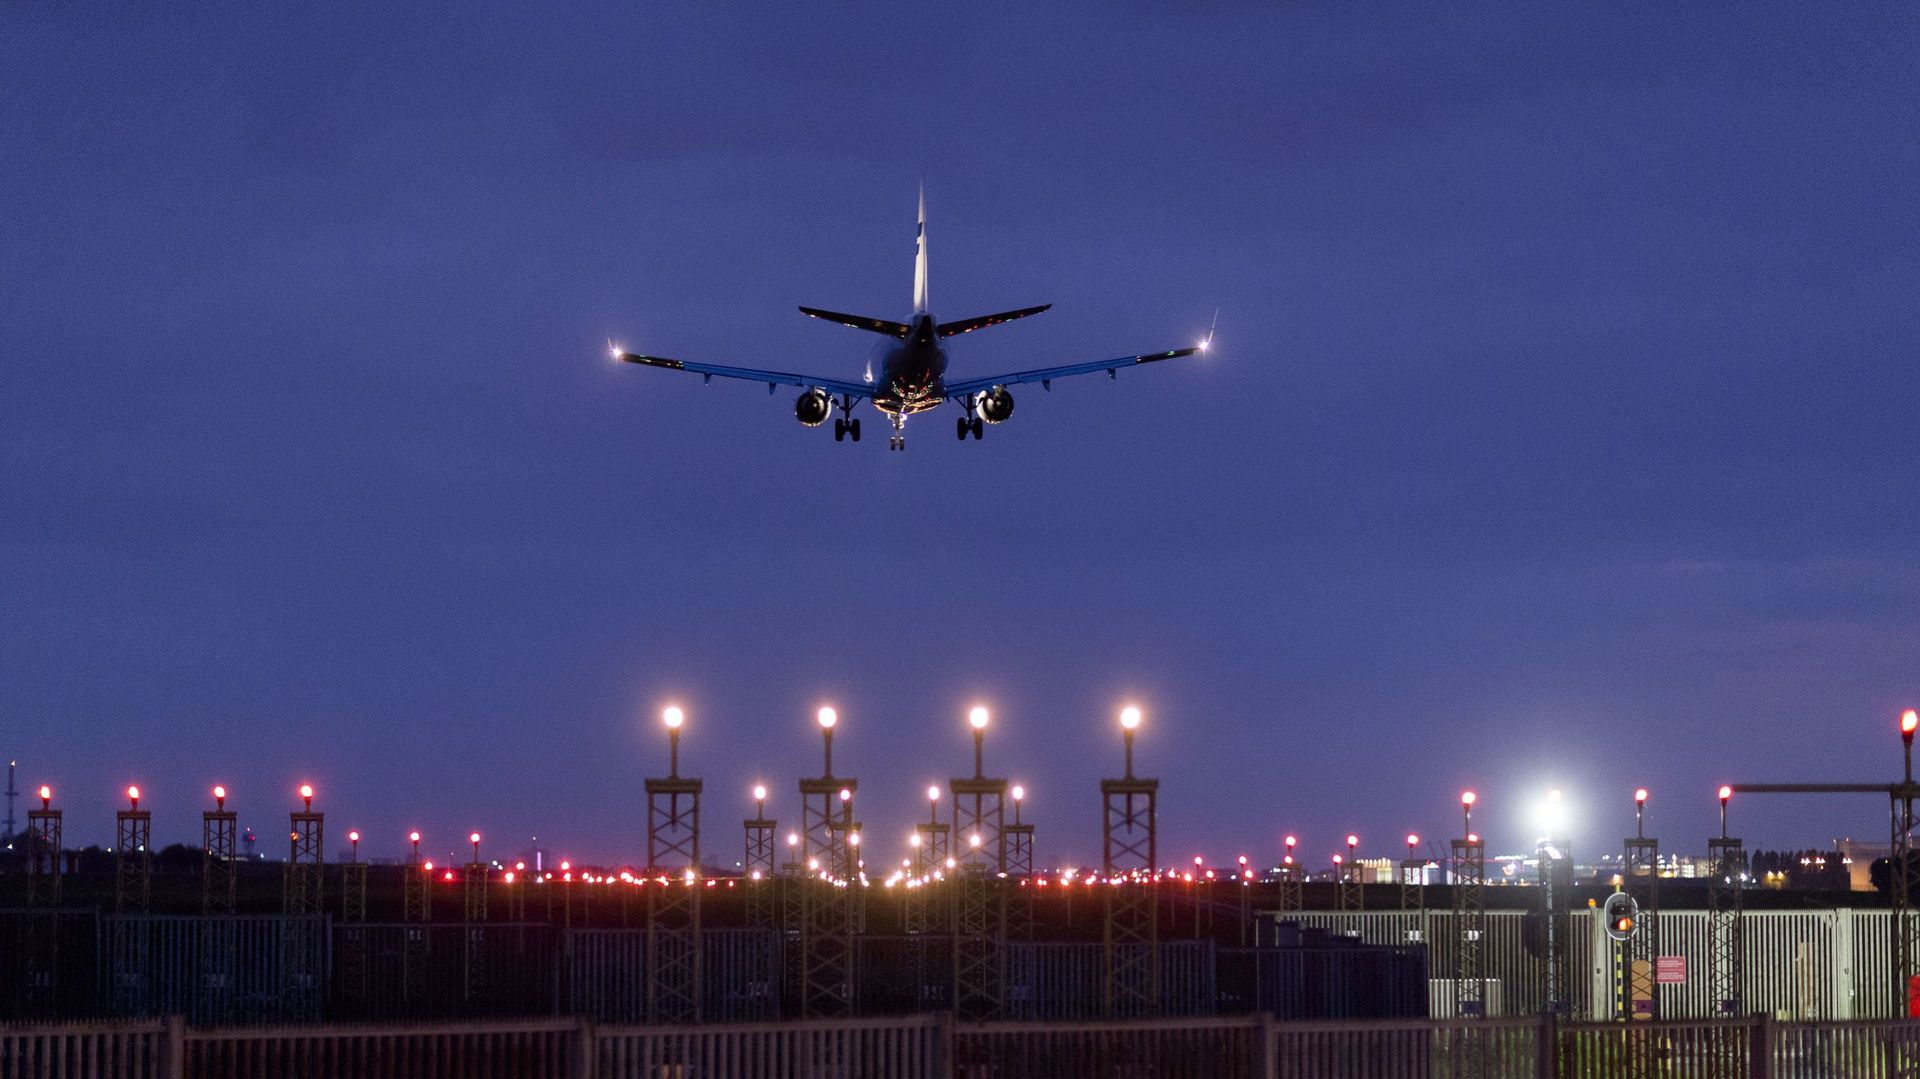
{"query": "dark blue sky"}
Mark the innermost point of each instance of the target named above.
(1563, 400)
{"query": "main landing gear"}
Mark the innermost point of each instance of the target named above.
(966, 425)
(846, 428)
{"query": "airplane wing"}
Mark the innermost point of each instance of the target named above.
(1046, 375)
(859, 390)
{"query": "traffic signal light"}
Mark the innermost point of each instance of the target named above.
(1622, 916)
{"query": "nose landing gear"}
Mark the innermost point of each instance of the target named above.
(899, 439)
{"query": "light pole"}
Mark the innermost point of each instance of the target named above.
(1640, 813)
(673, 717)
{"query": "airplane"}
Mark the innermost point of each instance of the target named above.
(913, 368)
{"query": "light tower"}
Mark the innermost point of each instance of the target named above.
(927, 911)
(1900, 864)
(1292, 887)
(1640, 879)
(132, 895)
(1413, 877)
(1725, 908)
(1554, 857)
(1469, 915)
(759, 863)
(1352, 896)
(979, 819)
(133, 857)
(353, 882)
(303, 941)
(1130, 860)
(301, 890)
(1018, 862)
(43, 891)
(673, 908)
(419, 885)
(473, 929)
(829, 910)
(219, 875)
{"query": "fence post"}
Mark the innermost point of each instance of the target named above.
(1760, 1050)
(943, 1036)
(585, 1041)
(174, 1048)
(1269, 1047)
(1546, 1046)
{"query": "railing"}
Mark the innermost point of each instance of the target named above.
(934, 1047)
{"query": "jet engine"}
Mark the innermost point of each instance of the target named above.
(813, 407)
(995, 405)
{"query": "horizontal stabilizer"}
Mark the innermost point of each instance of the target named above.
(968, 325)
(860, 322)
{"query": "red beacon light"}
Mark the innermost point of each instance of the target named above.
(46, 796)
(219, 798)
(306, 795)
(1909, 722)
(133, 796)
(1412, 840)
(1726, 794)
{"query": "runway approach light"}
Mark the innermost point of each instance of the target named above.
(828, 717)
(1909, 722)
(673, 717)
(219, 798)
(306, 796)
(977, 718)
(759, 793)
(1019, 793)
(1130, 717)
(933, 794)
(133, 796)
(1640, 796)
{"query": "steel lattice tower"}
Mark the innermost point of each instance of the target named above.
(132, 895)
(43, 853)
(303, 943)
(353, 883)
(219, 873)
(1470, 1050)
(673, 907)
(1640, 880)
(926, 906)
(979, 834)
(1353, 895)
(1556, 890)
(43, 891)
(1018, 867)
(1290, 893)
(1130, 864)
(416, 910)
(827, 920)
(473, 930)
(1901, 882)
(1413, 884)
(759, 864)
(1726, 958)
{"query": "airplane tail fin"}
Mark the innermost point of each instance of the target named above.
(920, 259)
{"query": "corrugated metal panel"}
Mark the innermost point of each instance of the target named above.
(876, 1048)
(1799, 964)
(1193, 1049)
(219, 970)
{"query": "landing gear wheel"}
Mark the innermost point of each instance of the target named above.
(839, 430)
(853, 429)
(979, 428)
(896, 443)
(960, 428)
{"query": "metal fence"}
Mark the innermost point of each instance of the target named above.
(1801, 965)
(933, 1047)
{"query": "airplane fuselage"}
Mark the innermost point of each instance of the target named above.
(913, 371)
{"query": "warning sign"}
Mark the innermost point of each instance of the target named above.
(1670, 969)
